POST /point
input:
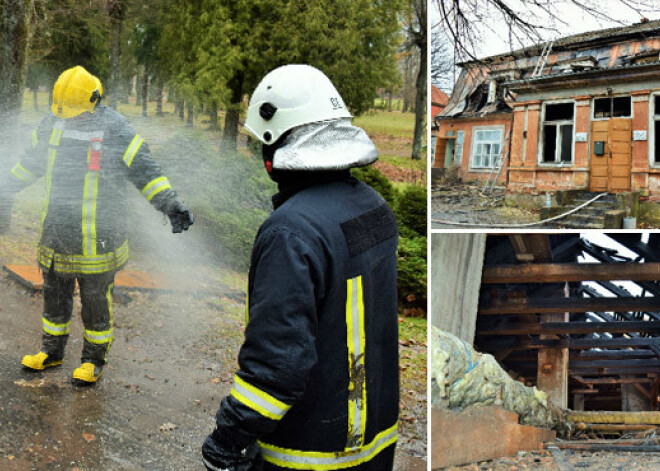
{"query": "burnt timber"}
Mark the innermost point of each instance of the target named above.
(544, 293)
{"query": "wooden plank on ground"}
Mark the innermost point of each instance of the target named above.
(614, 417)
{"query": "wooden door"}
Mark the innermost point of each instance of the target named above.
(612, 170)
(620, 143)
(599, 163)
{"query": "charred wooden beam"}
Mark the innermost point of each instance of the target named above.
(558, 328)
(561, 272)
(495, 343)
(560, 305)
(644, 380)
(612, 354)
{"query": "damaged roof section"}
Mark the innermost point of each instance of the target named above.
(488, 86)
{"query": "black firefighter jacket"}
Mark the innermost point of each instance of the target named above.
(86, 161)
(318, 380)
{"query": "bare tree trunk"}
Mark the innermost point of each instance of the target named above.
(421, 41)
(145, 91)
(159, 97)
(138, 87)
(230, 133)
(180, 109)
(389, 102)
(35, 98)
(14, 44)
(116, 13)
(213, 115)
(191, 114)
(420, 108)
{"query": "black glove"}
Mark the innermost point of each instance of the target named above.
(5, 214)
(180, 217)
(220, 454)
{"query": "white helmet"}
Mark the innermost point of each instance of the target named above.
(291, 96)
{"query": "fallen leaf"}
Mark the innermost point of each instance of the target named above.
(89, 437)
(149, 377)
(216, 380)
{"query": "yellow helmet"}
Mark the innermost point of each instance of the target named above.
(75, 92)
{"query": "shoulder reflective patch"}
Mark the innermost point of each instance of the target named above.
(258, 400)
(326, 461)
(82, 135)
(369, 229)
(23, 174)
(132, 149)
(155, 186)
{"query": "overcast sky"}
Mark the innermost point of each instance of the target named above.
(494, 32)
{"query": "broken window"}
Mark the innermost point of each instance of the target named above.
(557, 135)
(613, 107)
(486, 146)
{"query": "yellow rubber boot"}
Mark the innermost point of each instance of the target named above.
(39, 362)
(87, 373)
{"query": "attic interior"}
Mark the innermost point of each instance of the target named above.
(575, 315)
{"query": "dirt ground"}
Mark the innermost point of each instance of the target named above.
(172, 361)
(593, 461)
(470, 207)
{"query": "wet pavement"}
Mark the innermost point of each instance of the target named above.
(170, 365)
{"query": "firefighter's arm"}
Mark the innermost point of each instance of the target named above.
(26, 171)
(279, 351)
(148, 178)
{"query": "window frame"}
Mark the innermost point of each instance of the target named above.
(650, 134)
(558, 124)
(473, 145)
(460, 144)
(592, 107)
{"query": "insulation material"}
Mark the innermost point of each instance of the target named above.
(462, 377)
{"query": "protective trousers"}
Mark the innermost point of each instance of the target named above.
(96, 298)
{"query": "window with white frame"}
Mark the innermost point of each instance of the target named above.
(656, 129)
(557, 144)
(486, 146)
(458, 150)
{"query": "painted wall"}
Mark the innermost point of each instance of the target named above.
(467, 125)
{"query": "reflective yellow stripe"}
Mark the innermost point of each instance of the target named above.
(49, 178)
(155, 186)
(22, 173)
(357, 386)
(64, 263)
(132, 149)
(34, 139)
(55, 136)
(108, 296)
(323, 461)
(258, 400)
(55, 329)
(90, 195)
(99, 338)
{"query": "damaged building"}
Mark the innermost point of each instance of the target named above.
(581, 112)
(540, 323)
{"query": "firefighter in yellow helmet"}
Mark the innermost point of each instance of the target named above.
(86, 152)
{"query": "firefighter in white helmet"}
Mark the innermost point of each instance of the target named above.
(86, 152)
(317, 385)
